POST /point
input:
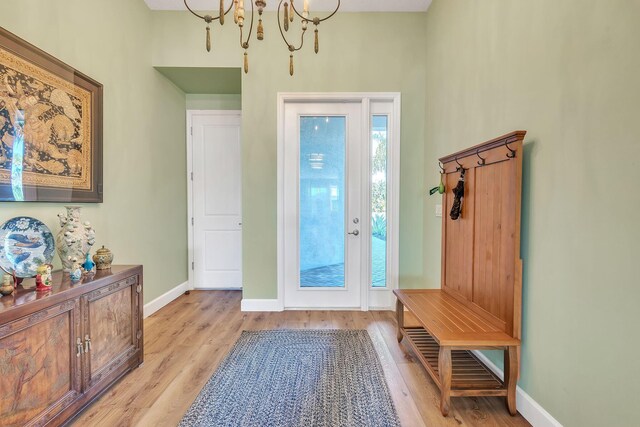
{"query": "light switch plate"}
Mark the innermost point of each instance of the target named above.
(439, 211)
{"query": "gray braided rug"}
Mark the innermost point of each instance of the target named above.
(294, 378)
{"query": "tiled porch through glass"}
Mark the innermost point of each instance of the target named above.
(332, 276)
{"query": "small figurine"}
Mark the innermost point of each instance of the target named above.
(6, 288)
(43, 278)
(88, 264)
(76, 270)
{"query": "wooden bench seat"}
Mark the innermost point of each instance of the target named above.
(451, 322)
(447, 331)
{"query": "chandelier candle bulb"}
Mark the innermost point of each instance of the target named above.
(291, 12)
(306, 6)
(291, 65)
(221, 12)
(208, 39)
(235, 11)
(246, 62)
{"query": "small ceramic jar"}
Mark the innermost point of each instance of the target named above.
(103, 259)
(6, 288)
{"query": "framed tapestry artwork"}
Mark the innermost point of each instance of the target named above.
(50, 127)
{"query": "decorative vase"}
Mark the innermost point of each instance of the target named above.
(88, 264)
(103, 259)
(6, 288)
(75, 238)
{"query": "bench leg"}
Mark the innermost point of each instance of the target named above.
(445, 368)
(511, 377)
(399, 318)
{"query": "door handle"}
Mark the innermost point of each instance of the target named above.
(79, 346)
(87, 344)
(355, 232)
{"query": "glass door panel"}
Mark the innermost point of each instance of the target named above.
(379, 150)
(322, 201)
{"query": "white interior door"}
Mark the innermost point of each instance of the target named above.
(217, 209)
(322, 205)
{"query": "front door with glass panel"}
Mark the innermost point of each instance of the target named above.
(323, 238)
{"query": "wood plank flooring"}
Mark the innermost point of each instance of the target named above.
(187, 339)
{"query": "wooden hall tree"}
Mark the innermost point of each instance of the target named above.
(479, 304)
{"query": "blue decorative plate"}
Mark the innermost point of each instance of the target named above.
(25, 244)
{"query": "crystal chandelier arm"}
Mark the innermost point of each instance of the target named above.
(203, 17)
(316, 21)
(289, 45)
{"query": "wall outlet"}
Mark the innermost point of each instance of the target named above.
(439, 211)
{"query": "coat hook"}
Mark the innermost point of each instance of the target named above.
(512, 153)
(441, 166)
(482, 160)
(459, 168)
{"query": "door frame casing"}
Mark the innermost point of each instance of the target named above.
(382, 298)
(190, 225)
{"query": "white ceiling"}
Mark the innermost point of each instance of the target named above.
(314, 5)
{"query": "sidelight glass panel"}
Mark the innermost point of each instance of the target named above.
(379, 134)
(322, 201)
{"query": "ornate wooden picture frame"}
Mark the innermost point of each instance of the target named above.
(50, 127)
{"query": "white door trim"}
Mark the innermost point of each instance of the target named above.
(365, 98)
(190, 228)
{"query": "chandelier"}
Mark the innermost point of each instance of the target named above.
(287, 13)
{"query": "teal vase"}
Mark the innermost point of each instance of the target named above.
(88, 264)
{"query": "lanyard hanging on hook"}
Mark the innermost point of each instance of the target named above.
(458, 197)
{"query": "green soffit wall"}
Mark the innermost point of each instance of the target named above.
(199, 80)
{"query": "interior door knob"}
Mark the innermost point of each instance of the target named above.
(355, 232)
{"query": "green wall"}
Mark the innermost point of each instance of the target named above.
(358, 53)
(566, 71)
(143, 217)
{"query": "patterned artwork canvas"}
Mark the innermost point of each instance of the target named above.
(50, 128)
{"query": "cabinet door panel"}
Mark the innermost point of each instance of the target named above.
(39, 365)
(111, 323)
(110, 320)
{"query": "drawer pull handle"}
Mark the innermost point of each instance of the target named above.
(87, 344)
(79, 346)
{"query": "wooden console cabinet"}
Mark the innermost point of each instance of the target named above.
(62, 348)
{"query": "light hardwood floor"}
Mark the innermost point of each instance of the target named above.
(186, 340)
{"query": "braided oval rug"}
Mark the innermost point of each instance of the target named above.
(319, 378)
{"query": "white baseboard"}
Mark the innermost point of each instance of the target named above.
(276, 305)
(528, 408)
(261, 305)
(164, 299)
